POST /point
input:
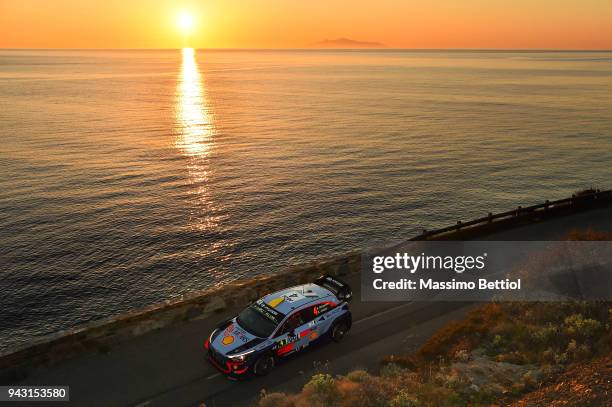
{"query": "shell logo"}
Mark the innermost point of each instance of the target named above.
(227, 340)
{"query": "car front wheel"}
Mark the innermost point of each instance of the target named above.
(264, 364)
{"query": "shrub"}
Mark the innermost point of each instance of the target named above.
(403, 399)
(374, 392)
(449, 378)
(358, 376)
(577, 325)
(514, 357)
(346, 387)
(583, 352)
(322, 389)
(544, 335)
(498, 341)
(561, 358)
(469, 333)
(518, 332)
(530, 379)
(275, 400)
(462, 355)
(412, 362)
(548, 355)
(391, 370)
(432, 395)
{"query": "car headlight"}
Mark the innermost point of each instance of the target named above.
(241, 357)
(210, 338)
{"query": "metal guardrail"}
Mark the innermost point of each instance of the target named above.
(520, 212)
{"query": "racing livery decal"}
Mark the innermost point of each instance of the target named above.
(274, 303)
(230, 333)
(292, 296)
(285, 349)
(269, 312)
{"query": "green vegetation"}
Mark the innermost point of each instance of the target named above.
(498, 351)
(498, 354)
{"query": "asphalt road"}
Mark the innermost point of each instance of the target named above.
(168, 367)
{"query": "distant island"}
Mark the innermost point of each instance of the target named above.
(347, 43)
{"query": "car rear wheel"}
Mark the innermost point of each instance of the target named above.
(339, 330)
(264, 364)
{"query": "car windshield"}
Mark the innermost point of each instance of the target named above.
(257, 320)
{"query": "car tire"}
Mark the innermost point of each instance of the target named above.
(264, 364)
(339, 329)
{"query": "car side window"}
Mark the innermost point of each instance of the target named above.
(315, 311)
(308, 314)
(304, 316)
(322, 308)
(293, 322)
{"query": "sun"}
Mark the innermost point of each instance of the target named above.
(185, 21)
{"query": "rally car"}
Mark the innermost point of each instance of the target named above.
(280, 324)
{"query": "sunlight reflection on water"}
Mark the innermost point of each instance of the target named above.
(194, 118)
(195, 130)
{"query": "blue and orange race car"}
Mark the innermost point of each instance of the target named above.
(280, 324)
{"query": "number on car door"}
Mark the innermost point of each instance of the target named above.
(287, 339)
(309, 330)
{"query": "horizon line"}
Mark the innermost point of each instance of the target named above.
(317, 49)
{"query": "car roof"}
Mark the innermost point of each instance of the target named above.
(291, 298)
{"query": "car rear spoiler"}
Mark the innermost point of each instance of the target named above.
(340, 288)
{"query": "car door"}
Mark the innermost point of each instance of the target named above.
(307, 331)
(286, 340)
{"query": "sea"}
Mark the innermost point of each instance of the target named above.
(130, 177)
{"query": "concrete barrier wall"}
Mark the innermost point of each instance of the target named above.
(583, 201)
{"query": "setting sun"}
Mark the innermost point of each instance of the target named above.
(243, 24)
(185, 22)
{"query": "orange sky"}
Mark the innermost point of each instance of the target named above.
(560, 24)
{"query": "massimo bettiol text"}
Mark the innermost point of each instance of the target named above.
(457, 264)
(484, 271)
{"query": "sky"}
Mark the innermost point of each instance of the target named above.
(517, 24)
